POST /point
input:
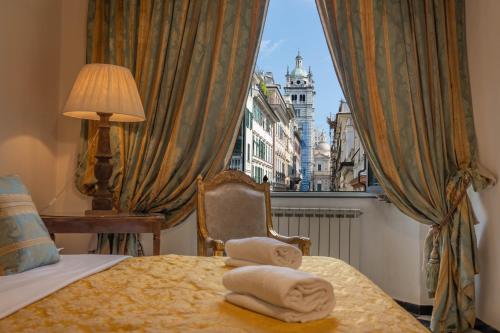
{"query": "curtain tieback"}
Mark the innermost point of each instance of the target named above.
(432, 267)
(466, 179)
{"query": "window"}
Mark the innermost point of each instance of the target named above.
(262, 149)
(235, 164)
(281, 132)
(373, 184)
(257, 174)
(257, 115)
(255, 146)
(266, 145)
(248, 119)
(238, 146)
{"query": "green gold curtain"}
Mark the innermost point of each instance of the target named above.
(192, 61)
(403, 69)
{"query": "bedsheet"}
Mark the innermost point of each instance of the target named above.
(22, 289)
(174, 293)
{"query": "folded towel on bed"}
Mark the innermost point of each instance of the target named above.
(280, 292)
(262, 251)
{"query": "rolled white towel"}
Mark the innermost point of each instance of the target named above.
(262, 251)
(280, 292)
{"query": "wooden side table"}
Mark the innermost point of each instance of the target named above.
(119, 223)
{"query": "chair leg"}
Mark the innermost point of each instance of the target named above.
(202, 250)
(305, 248)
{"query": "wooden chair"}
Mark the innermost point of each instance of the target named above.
(232, 205)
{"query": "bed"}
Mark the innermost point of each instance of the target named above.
(174, 293)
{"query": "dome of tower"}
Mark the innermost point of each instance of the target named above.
(298, 72)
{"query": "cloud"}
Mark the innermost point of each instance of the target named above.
(267, 47)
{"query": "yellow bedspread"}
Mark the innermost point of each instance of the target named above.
(182, 294)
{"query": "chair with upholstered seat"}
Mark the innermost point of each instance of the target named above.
(230, 206)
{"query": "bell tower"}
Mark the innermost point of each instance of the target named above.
(300, 87)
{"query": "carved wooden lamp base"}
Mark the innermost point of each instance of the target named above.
(108, 91)
(102, 201)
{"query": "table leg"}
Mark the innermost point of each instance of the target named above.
(111, 241)
(156, 243)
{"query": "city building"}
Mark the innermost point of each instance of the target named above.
(267, 139)
(300, 87)
(296, 170)
(283, 134)
(321, 174)
(349, 170)
(277, 134)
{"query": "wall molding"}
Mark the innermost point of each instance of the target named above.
(421, 310)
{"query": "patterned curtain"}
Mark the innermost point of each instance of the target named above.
(403, 69)
(192, 61)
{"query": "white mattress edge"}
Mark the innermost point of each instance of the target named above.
(61, 284)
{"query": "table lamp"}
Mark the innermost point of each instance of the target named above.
(105, 93)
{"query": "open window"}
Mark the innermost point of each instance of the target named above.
(301, 129)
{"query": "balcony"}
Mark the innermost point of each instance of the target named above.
(280, 177)
(370, 234)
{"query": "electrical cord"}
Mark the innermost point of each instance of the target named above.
(65, 187)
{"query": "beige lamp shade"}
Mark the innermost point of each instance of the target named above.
(103, 88)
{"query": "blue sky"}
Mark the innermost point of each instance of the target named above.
(293, 25)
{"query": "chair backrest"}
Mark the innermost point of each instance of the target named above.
(232, 205)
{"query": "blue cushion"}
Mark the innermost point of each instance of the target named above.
(24, 240)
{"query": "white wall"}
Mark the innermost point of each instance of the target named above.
(72, 53)
(483, 37)
(29, 81)
(181, 239)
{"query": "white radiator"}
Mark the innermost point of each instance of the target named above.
(334, 232)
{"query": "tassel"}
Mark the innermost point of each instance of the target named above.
(432, 266)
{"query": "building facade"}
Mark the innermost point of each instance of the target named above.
(349, 166)
(321, 174)
(296, 170)
(299, 87)
(266, 139)
(253, 152)
(263, 120)
(283, 134)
